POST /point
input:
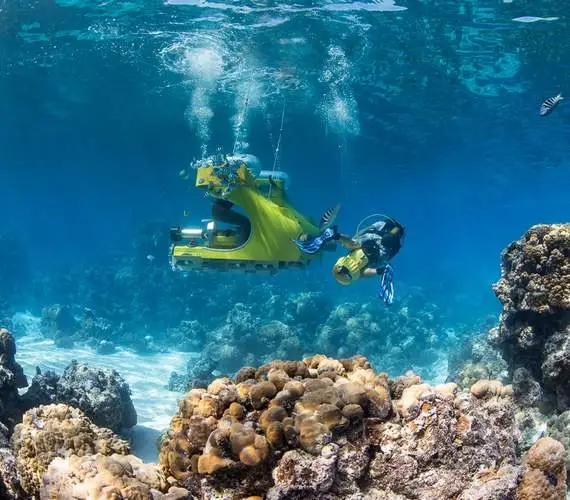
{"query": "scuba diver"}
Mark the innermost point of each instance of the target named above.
(222, 212)
(370, 250)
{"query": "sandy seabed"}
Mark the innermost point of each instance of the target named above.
(146, 374)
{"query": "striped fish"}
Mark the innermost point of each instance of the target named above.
(328, 218)
(550, 103)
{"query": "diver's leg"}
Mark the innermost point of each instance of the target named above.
(222, 213)
(369, 272)
(245, 230)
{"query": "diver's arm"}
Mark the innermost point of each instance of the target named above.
(347, 242)
(369, 273)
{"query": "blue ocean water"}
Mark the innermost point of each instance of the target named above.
(424, 110)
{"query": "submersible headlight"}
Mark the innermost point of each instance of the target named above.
(187, 233)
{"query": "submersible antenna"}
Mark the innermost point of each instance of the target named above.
(242, 120)
(277, 148)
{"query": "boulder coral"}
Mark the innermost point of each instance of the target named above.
(102, 394)
(545, 474)
(99, 476)
(52, 431)
(484, 388)
(328, 428)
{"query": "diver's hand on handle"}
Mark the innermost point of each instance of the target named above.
(386, 274)
(312, 245)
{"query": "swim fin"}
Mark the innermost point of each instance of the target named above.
(387, 285)
(312, 245)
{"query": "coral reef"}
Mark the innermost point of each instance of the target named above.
(328, 428)
(66, 327)
(10, 488)
(124, 299)
(58, 322)
(12, 378)
(534, 329)
(559, 428)
(306, 323)
(100, 476)
(545, 471)
(42, 390)
(403, 334)
(54, 431)
(136, 301)
(245, 332)
(476, 359)
(319, 428)
(6, 314)
(103, 395)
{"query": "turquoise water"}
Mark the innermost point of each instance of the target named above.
(427, 111)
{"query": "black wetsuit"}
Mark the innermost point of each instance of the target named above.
(378, 243)
(222, 212)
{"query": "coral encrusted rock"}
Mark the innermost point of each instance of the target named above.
(534, 330)
(331, 429)
(54, 431)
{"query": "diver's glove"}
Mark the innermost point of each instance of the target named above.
(314, 244)
(386, 283)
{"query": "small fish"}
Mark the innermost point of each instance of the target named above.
(550, 103)
(150, 257)
(328, 218)
(186, 213)
(533, 19)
